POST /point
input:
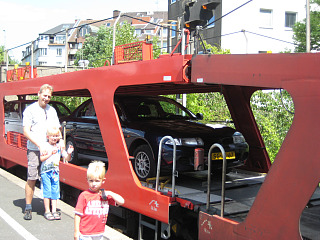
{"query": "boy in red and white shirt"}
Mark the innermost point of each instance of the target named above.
(92, 208)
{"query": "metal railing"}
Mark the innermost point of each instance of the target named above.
(174, 173)
(223, 177)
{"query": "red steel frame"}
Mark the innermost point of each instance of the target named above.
(294, 174)
(292, 178)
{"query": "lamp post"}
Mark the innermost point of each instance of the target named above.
(66, 52)
(114, 38)
(308, 48)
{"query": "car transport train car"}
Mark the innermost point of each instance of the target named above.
(257, 201)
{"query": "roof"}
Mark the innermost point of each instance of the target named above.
(58, 29)
(93, 24)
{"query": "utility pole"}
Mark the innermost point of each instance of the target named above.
(7, 64)
(114, 38)
(31, 59)
(308, 47)
(66, 52)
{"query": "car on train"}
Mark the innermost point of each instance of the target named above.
(145, 120)
(13, 113)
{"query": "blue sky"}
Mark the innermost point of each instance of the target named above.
(22, 21)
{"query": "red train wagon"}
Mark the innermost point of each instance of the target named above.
(275, 211)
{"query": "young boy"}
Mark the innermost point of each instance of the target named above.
(49, 171)
(92, 208)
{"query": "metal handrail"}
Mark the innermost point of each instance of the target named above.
(174, 173)
(223, 177)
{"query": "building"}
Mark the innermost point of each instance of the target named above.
(241, 26)
(50, 48)
(148, 25)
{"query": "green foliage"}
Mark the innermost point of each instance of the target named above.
(215, 49)
(271, 110)
(273, 113)
(71, 102)
(3, 57)
(211, 105)
(299, 31)
(97, 49)
(156, 47)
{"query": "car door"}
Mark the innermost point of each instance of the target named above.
(13, 117)
(86, 131)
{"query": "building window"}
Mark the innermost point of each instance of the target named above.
(42, 63)
(60, 39)
(137, 32)
(108, 24)
(174, 29)
(43, 52)
(211, 22)
(83, 32)
(165, 32)
(266, 18)
(51, 39)
(291, 19)
(148, 31)
(59, 51)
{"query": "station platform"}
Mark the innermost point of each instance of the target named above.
(13, 226)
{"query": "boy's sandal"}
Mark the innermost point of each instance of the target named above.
(48, 216)
(56, 216)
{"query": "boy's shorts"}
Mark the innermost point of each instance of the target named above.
(34, 164)
(88, 237)
(50, 185)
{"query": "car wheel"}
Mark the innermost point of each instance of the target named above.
(143, 163)
(74, 155)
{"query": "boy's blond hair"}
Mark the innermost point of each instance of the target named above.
(96, 169)
(53, 131)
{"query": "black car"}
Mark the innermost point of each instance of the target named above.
(13, 111)
(145, 120)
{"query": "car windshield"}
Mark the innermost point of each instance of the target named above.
(152, 108)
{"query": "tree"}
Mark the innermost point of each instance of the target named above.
(97, 49)
(273, 111)
(3, 57)
(299, 31)
(156, 47)
(203, 102)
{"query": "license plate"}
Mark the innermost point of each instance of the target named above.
(218, 155)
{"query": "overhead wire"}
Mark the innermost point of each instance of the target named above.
(227, 14)
(168, 27)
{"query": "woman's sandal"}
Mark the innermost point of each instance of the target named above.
(48, 216)
(56, 216)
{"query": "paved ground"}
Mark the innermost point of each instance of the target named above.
(13, 226)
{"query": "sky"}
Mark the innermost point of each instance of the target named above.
(22, 21)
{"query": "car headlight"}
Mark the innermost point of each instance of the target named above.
(238, 138)
(186, 142)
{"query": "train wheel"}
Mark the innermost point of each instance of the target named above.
(144, 164)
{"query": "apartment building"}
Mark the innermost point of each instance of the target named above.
(240, 25)
(60, 44)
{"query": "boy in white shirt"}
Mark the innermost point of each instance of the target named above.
(49, 171)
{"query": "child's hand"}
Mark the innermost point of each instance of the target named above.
(70, 149)
(54, 150)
